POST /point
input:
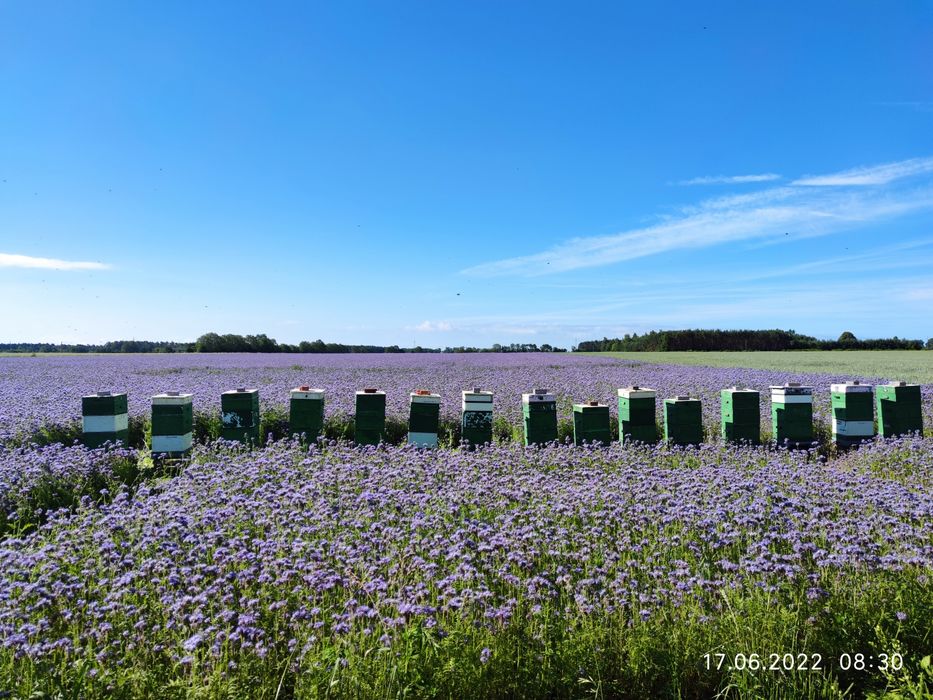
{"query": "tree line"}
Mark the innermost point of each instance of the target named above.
(702, 340)
(232, 342)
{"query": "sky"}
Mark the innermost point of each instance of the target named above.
(440, 174)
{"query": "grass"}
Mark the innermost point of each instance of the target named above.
(908, 365)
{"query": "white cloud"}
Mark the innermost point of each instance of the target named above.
(27, 261)
(432, 326)
(767, 216)
(730, 179)
(872, 175)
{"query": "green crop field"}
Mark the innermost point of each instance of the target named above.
(907, 365)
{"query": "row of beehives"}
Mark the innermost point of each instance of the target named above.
(853, 404)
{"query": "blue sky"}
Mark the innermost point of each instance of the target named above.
(464, 173)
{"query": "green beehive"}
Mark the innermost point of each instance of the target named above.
(423, 418)
(539, 411)
(306, 412)
(853, 413)
(370, 426)
(172, 423)
(792, 415)
(591, 424)
(104, 418)
(741, 415)
(900, 410)
(239, 415)
(476, 417)
(637, 418)
(683, 421)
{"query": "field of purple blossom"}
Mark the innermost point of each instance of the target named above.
(47, 390)
(336, 571)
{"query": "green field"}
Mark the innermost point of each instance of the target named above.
(907, 365)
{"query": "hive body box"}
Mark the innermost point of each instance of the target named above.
(853, 413)
(591, 424)
(683, 421)
(476, 417)
(239, 413)
(306, 412)
(423, 418)
(792, 415)
(370, 421)
(741, 415)
(104, 418)
(637, 420)
(899, 409)
(172, 424)
(539, 411)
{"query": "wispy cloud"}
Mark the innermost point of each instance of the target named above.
(766, 216)
(432, 327)
(28, 261)
(872, 175)
(730, 179)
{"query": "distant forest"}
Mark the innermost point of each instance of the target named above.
(229, 342)
(717, 340)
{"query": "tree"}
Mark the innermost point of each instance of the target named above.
(847, 337)
(930, 344)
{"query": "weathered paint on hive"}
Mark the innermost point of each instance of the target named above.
(476, 417)
(239, 415)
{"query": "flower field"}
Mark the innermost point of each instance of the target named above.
(337, 571)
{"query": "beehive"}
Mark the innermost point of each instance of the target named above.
(900, 409)
(539, 411)
(172, 423)
(476, 417)
(591, 423)
(853, 413)
(104, 418)
(370, 418)
(239, 415)
(792, 414)
(423, 418)
(306, 412)
(741, 415)
(683, 421)
(637, 416)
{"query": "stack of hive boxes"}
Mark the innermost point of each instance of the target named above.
(900, 409)
(741, 415)
(239, 414)
(591, 423)
(539, 411)
(476, 417)
(104, 418)
(683, 421)
(853, 413)
(423, 418)
(172, 423)
(637, 415)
